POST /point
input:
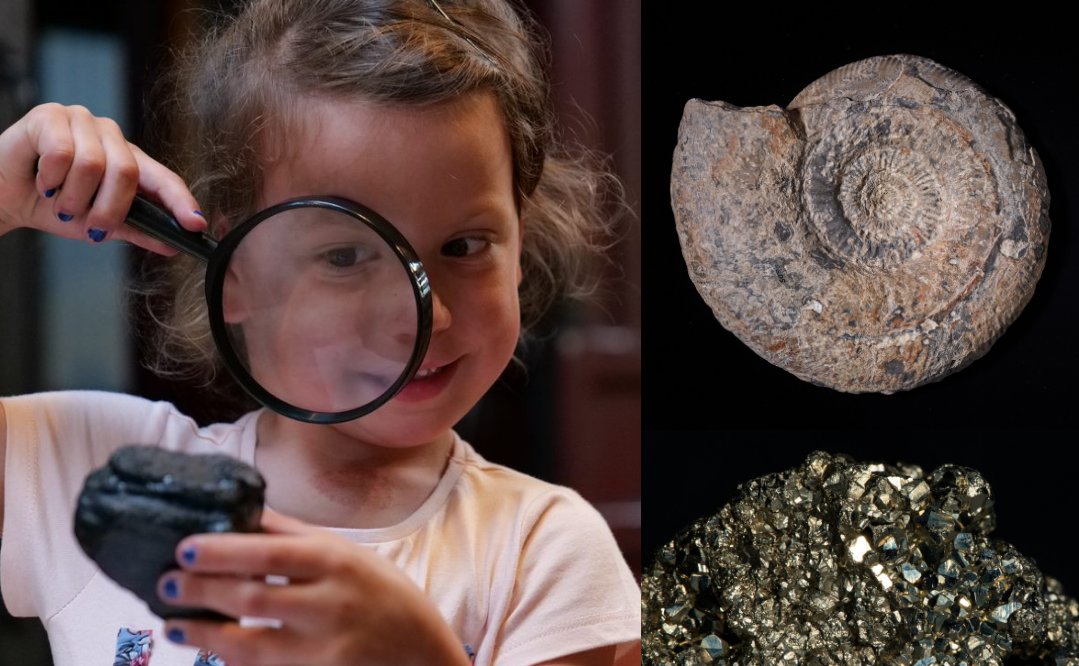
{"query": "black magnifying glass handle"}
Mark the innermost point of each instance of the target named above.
(155, 221)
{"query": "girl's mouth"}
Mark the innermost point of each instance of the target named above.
(427, 383)
(427, 372)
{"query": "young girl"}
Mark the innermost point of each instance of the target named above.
(433, 114)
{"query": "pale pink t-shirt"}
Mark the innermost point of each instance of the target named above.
(522, 570)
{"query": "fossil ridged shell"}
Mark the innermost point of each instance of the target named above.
(879, 233)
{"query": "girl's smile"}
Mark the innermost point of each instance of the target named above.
(427, 383)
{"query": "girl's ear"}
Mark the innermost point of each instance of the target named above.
(234, 305)
(520, 250)
(221, 226)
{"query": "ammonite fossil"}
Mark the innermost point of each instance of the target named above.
(879, 233)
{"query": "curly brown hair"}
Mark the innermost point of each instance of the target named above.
(246, 80)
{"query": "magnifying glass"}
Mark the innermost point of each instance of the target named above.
(319, 306)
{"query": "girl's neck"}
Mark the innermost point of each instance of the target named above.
(323, 476)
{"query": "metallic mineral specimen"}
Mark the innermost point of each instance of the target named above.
(879, 233)
(844, 563)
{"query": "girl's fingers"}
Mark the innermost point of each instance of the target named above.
(238, 645)
(86, 176)
(118, 187)
(279, 523)
(135, 237)
(289, 602)
(47, 140)
(86, 170)
(163, 185)
(118, 184)
(298, 557)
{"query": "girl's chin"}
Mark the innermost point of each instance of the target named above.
(397, 433)
(379, 429)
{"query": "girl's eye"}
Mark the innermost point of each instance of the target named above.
(345, 257)
(463, 247)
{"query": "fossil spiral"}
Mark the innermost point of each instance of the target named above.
(879, 233)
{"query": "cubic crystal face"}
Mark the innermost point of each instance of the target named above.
(853, 564)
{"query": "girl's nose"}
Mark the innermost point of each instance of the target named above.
(441, 317)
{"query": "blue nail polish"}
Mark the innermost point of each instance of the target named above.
(176, 635)
(96, 235)
(171, 588)
(50, 192)
(65, 217)
(199, 213)
(188, 555)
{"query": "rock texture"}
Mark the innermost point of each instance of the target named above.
(134, 511)
(840, 563)
(879, 233)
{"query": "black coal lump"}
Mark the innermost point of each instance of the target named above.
(134, 511)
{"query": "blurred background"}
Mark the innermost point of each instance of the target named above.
(571, 415)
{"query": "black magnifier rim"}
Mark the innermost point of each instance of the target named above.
(421, 289)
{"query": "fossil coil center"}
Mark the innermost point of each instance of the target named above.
(890, 198)
(882, 185)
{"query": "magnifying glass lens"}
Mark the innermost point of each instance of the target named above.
(319, 310)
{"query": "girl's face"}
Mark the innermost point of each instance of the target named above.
(443, 176)
(323, 308)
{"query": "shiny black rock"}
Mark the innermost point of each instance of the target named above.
(134, 511)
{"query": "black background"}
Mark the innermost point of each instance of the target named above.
(716, 414)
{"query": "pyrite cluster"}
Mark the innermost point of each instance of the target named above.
(845, 563)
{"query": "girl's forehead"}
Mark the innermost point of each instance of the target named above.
(453, 155)
(313, 121)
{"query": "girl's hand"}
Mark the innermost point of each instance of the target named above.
(343, 605)
(69, 173)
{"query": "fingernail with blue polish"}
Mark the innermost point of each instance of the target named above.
(198, 212)
(65, 217)
(176, 635)
(171, 588)
(96, 235)
(188, 555)
(50, 192)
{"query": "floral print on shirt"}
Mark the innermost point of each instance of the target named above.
(133, 647)
(207, 658)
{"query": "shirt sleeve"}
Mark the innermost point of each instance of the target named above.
(53, 441)
(574, 590)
